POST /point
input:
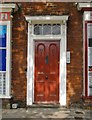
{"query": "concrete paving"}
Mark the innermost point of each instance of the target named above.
(48, 113)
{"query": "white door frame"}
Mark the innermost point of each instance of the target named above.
(30, 54)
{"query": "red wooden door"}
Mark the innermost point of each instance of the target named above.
(46, 71)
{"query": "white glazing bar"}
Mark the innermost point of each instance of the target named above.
(51, 28)
(2, 48)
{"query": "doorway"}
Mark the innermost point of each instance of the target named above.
(37, 31)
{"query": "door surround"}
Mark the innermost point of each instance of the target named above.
(30, 53)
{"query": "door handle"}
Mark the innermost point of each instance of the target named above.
(46, 60)
(46, 77)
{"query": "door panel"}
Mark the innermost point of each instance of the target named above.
(39, 70)
(40, 57)
(46, 71)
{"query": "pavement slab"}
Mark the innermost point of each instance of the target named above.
(47, 113)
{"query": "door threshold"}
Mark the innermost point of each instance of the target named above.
(43, 105)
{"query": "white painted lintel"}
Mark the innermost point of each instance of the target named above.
(7, 7)
(84, 5)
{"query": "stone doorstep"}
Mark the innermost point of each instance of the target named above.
(44, 106)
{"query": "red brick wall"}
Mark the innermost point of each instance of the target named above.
(74, 44)
(19, 57)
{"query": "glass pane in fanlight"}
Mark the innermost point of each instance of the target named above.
(38, 29)
(46, 29)
(56, 29)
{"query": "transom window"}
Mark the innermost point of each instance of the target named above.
(47, 29)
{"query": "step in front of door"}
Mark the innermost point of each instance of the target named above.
(41, 105)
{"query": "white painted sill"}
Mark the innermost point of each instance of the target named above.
(4, 96)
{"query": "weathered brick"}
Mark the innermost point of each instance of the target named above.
(74, 45)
